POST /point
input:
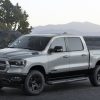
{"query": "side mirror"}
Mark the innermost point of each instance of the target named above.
(56, 49)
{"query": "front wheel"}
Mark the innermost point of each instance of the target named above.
(95, 76)
(34, 83)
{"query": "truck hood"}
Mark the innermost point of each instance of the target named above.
(16, 53)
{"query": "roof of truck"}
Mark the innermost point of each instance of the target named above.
(53, 34)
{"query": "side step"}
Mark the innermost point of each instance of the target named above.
(66, 80)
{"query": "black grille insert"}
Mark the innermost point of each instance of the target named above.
(2, 62)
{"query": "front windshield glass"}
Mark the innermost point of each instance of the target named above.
(37, 43)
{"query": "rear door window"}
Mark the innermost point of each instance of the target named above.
(74, 44)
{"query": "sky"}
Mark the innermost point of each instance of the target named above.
(44, 12)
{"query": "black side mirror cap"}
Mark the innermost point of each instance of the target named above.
(56, 49)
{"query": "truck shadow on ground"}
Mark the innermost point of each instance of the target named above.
(64, 87)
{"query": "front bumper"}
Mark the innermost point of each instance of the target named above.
(11, 75)
(12, 80)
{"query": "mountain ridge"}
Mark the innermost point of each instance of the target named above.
(80, 28)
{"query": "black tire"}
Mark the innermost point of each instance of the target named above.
(95, 76)
(34, 83)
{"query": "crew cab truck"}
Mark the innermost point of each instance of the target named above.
(33, 60)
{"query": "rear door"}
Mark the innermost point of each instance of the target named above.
(79, 57)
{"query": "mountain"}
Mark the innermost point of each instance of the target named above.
(78, 28)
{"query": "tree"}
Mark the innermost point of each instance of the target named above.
(12, 17)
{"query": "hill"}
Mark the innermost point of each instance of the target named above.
(79, 28)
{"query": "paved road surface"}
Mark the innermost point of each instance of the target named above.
(67, 91)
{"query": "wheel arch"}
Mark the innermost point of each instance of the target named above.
(39, 68)
(97, 63)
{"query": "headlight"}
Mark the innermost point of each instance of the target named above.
(17, 62)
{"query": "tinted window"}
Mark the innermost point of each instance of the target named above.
(58, 42)
(92, 42)
(74, 44)
(37, 43)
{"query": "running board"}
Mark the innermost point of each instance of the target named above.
(66, 80)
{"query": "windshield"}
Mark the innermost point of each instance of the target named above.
(37, 43)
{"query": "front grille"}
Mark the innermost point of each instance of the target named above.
(2, 62)
(2, 65)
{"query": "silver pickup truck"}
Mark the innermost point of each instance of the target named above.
(33, 61)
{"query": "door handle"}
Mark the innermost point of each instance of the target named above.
(65, 56)
(83, 55)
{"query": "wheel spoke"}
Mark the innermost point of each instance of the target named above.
(98, 75)
(33, 87)
(99, 78)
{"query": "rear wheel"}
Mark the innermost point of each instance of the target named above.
(34, 83)
(95, 76)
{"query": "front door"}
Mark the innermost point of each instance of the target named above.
(58, 62)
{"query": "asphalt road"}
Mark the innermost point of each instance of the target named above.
(67, 91)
